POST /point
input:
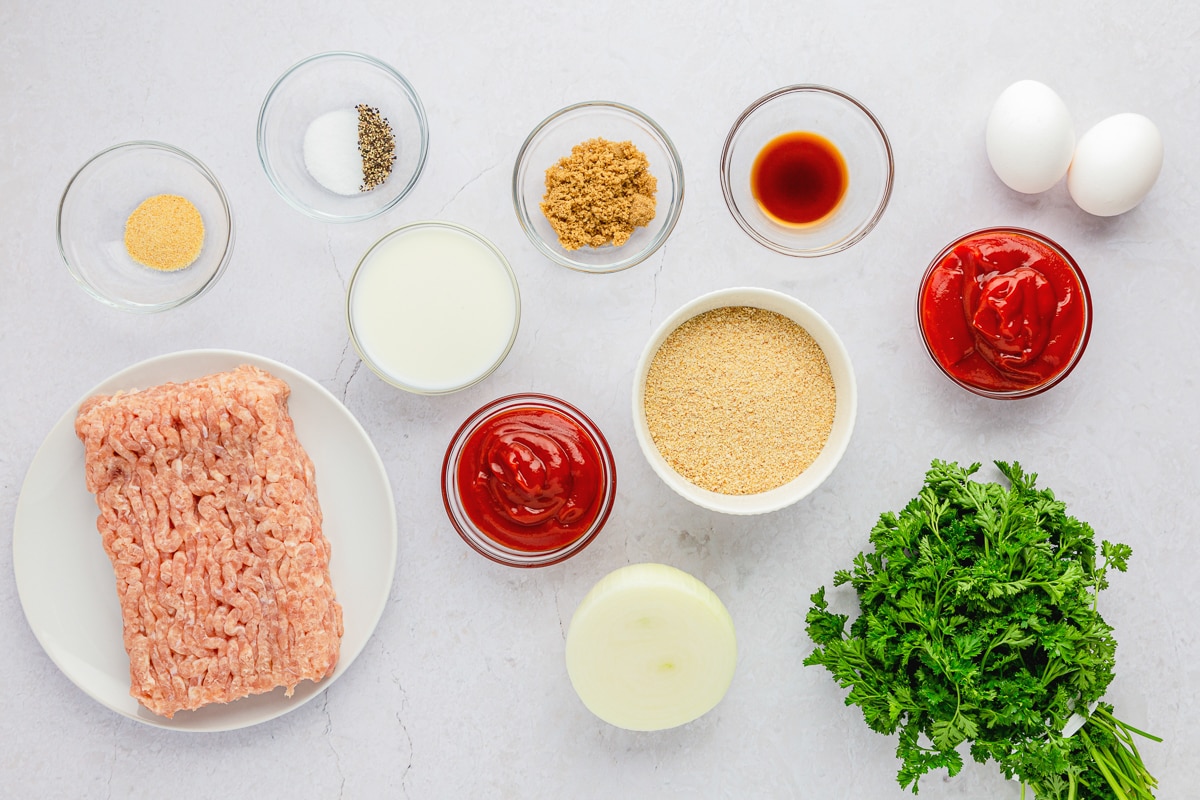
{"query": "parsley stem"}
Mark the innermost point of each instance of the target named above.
(1130, 729)
(1098, 760)
(1122, 769)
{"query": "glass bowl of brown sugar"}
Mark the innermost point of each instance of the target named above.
(144, 226)
(598, 187)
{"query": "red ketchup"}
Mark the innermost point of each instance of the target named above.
(532, 478)
(1004, 312)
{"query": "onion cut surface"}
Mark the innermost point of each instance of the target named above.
(650, 647)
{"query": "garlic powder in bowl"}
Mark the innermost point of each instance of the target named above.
(145, 227)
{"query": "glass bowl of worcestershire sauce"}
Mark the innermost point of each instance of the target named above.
(807, 171)
(528, 480)
(1004, 312)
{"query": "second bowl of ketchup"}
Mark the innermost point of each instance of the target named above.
(1004, 312)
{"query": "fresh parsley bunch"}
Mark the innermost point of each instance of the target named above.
(978, 624)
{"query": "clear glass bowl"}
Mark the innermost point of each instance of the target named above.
(428, 307)
(553, 139)
(844, 382)
(476, 537)
(1064, 369)
(328, 82)
(97, 203)
(850, 127)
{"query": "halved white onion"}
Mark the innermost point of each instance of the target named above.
(650, 647)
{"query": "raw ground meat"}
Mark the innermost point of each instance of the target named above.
(208, 510)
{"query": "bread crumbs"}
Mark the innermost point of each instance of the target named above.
(740, 400)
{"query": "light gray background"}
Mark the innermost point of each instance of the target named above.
(462, 691)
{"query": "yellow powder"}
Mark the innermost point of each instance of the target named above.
(599, 194)
(165, 233)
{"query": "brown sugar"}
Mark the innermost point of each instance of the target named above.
(599, 194)
(165, 232)
(740, 400)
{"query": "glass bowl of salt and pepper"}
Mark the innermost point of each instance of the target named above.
(342, 136)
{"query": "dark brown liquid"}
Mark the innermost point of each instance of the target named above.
(799, 178)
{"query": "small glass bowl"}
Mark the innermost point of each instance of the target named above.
(845, 386)
(850, 127)
(553, 139)
(1064, 370)
(392, 301)
(97, 203)
(328, 82)
(478, 539)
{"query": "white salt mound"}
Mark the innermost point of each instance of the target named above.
(331, 151)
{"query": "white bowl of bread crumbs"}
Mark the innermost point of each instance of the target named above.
(342, 136)
(598, 187)
(744, 400)
(145, 227)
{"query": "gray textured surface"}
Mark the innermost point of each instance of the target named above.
(463, 692)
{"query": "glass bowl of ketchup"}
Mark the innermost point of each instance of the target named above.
(807, 171)
(1004, 312)
(528, 480)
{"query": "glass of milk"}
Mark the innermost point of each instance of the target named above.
(433, 307)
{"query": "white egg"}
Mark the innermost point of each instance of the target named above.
(1116, 163)
(1030, 137)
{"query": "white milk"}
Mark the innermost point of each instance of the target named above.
(433, 308)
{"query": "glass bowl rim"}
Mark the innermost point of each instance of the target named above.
(1076, 354)
(264, 158)
(674, 167)
(134, 146)
(477, 540)
(863, 229)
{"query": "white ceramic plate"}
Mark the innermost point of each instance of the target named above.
(66, 581)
